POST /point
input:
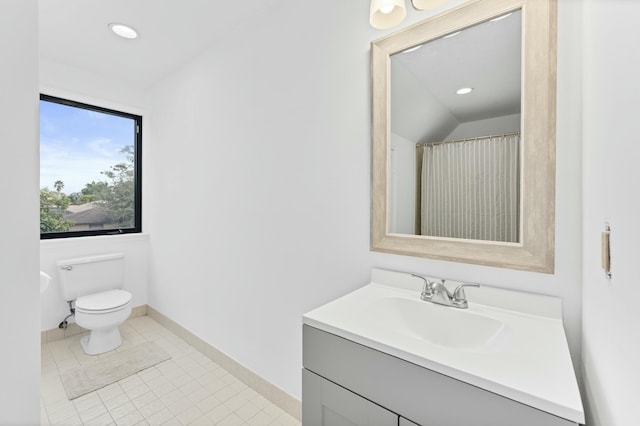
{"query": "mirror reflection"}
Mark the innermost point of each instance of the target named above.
(455, 124)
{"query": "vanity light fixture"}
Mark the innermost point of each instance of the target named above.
(464, 90)
(123, 31)
(384, 14)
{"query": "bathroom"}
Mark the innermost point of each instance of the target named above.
(282, 221)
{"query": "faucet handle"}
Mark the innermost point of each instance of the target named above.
(459, 297)
(427, 289)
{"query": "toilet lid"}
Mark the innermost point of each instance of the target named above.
(103, 301)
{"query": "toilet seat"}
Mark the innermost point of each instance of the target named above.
(104, 302)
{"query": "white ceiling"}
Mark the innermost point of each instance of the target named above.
(74, 32)
(485, 57)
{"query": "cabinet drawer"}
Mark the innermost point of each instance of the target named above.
(327, 404)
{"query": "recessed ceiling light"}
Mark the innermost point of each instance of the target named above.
(499, 18)
(464, 90)
(452, 34)
(123, 30)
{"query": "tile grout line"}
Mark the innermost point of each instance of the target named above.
(203, 391)
(274, 394)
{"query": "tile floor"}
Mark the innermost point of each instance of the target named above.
(187, 389)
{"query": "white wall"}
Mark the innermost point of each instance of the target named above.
(19, 294)
(611, 348)
(260, 174)
(76, 84)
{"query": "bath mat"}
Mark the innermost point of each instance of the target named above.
(110, 368)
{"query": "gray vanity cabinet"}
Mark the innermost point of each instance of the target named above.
(327, 404)
(346, 383)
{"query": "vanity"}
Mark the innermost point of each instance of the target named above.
(403, 351)
(382, 356)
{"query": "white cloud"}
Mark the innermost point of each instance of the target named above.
(104, 147)
(76, 167)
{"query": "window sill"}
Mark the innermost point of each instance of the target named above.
(95, 239)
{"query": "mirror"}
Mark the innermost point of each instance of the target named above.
(467, 177)
(454, 163)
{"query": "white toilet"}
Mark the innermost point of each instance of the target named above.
(95, 283)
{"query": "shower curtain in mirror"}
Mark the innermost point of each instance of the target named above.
(470, 189)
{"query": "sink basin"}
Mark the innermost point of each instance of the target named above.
(436, 324)
(45, 279)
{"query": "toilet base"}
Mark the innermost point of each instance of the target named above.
(101, 341)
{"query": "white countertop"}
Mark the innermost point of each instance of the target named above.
(528, 361)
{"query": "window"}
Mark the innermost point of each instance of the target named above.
(90, 174)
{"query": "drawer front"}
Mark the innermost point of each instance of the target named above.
(327, 404)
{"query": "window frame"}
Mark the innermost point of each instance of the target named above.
(137, 172)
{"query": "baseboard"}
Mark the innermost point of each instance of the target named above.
(277, 396)
(72, 329)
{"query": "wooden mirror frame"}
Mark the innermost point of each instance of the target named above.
(536, 246)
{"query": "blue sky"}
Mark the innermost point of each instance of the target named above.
(77, 144)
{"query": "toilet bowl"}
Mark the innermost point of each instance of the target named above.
(95, 284)
(102, 313)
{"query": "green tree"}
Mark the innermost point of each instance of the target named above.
(58, 185)
(121, 192)
(76, 198)
(116, 195)
(93, 191)
(52, 204)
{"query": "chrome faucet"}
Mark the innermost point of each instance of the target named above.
(436, 292)
(441, 295)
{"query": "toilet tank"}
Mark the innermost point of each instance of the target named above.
(92, 274)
